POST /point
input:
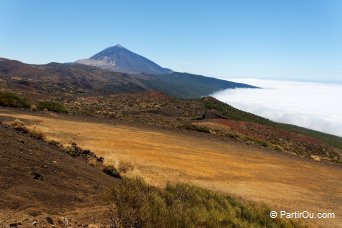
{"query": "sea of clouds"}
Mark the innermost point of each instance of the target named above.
(312, 105)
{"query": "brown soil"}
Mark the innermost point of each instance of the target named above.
(280, 180)
(161, 111)
(38, 180)
(280, 139)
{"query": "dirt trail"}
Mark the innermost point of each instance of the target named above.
(281, 181)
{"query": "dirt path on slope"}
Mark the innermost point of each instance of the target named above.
(281, 181)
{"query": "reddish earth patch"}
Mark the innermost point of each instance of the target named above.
(288, 141)
(38, 180)
(263, 132)
(155, 94)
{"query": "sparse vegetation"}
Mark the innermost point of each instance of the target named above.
(21, 126)
(136, 204)
(330, 139)
(75, 151)
(53, 142)
(36, 133)
(111, 171)
(52, 106)
(236, 114)
(187, 86)
(124, 167)
(193, 127)
(8, 99)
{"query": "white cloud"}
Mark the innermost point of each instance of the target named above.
(316, 106)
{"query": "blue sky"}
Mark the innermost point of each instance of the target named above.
(298, 39)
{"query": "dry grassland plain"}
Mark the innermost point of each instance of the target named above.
(283, 182)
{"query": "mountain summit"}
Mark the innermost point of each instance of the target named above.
(120, 59)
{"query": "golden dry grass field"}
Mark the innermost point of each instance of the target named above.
(280, 181)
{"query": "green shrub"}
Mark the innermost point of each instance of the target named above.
(52, 106)
(12, 100)
(135, 204)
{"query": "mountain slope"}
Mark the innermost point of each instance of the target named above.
(120, 59)
(65, 78)
(185, 85)
(68, 82)
(73, 78)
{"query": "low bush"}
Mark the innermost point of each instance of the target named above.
(21, 126)
(136, 204)
(54, 143)
(76, 151)
(12, 100)
(193, 127)
(111, 171)
(52, 106)
(36, 133)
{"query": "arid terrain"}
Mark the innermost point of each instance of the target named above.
(42, 185)
(170, 114)
(280, 180)
(75, 137)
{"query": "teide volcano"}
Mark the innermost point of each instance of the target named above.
(113, 70)
(120, 59)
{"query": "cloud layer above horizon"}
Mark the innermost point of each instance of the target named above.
(317, 106)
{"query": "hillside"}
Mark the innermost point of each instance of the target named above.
(163, 156)
(66, 79)
(236, 114)
(44, 185)
(160, 110)
(39, 180)
(187, 86)
(143, 127)
(161, 138)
